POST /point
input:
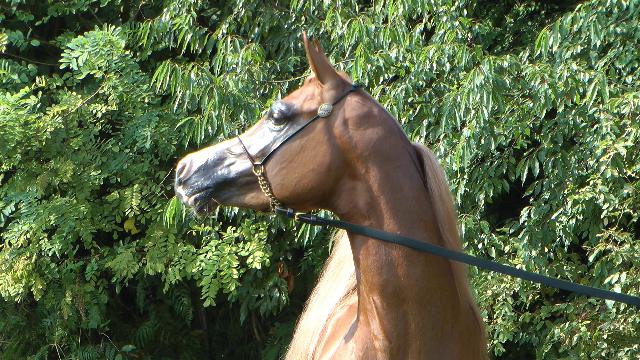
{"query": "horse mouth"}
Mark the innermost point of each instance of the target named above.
(202, 202)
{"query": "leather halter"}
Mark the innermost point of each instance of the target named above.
(258, 163)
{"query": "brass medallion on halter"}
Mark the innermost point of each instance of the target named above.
(325, 110)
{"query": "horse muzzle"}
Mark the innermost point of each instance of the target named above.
(210, 177)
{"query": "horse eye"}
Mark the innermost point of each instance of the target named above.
(278, 113)
(277, 118)
(278, 122)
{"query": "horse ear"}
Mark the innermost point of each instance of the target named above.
(319, 62)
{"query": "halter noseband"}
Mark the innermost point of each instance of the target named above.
(258, 164)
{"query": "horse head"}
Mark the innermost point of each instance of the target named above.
(303, 171)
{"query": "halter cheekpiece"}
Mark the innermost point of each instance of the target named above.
(324, 111)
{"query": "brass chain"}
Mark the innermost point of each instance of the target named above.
(265, 186)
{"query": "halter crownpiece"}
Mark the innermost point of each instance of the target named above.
(324, 111)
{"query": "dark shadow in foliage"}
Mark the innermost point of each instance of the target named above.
(507, 206)
(515, 19)
(516, 351)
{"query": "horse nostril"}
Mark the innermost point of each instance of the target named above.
(182, 170)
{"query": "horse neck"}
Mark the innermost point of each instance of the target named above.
(394, 282)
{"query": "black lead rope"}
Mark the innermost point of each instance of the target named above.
(459, 257)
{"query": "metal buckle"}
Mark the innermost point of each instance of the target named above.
(258, 169)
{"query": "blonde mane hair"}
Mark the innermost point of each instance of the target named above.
(447, 219)
(337, 280)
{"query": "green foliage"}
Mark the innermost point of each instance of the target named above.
(533, 108)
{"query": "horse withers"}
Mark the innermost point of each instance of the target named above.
(338, 149)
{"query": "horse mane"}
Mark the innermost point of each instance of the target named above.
(338, 276)
(447, 219)
(336, 280)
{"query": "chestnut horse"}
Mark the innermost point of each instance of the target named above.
(374, 300)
